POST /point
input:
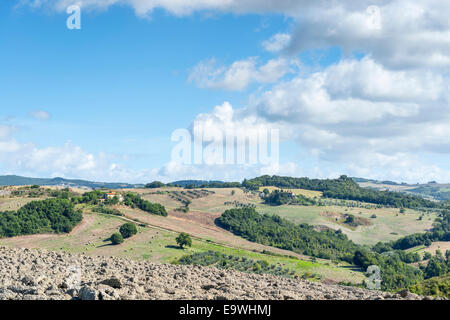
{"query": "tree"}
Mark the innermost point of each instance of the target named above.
(427, 256)
(184, 240)
(128, 230)
(350, 219)
(116, 238)
(436, 267)
(155, 184)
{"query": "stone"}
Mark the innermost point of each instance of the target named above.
(87, 293)
(113, 283)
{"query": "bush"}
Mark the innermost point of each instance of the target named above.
(107, 210)
(438, 286)
(184, 240)
(116, 238)
(128, 230)
(223, 261)
(427, 256)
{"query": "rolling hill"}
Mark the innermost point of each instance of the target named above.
(13, 180)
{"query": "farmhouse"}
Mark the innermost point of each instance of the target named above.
(112, 194)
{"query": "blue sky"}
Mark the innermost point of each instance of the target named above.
(114, 92)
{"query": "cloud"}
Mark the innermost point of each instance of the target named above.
(410, 34)
(40, 115)
(72, 161)
(398, 33)
(173, 171)
(5, 132)
(355, 114)
(384, 116)
(68, 161)
(181, 7)
(277, 43)
(240, 74)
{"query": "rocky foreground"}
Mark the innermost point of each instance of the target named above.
(27, 274)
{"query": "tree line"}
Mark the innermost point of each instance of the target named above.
(280, 197)
(342, 188)
(45, 216)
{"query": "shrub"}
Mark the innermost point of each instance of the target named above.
(128, 230)
(116, 238)
(107, 210)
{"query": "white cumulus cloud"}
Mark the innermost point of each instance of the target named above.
(240, 74)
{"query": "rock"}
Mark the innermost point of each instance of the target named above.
(53, 292)
(6, 294)
(405, 294)
(28, 281)
(113, 283)
(112, 278)
(72, 292)
(34, 297)
(208, 287)
(107, 293)
(87, 293)
(170, 291)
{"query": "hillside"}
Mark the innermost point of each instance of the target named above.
(38, 274)
(321, 239)
(12, 180)
(196, 183)
(431, 190)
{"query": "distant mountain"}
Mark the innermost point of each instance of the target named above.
(363, 180)
(431, 190)
(12, 180)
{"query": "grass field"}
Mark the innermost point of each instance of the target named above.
(388, 224)
(11, 204)
(439, 245)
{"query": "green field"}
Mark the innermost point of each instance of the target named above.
(388, 225)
